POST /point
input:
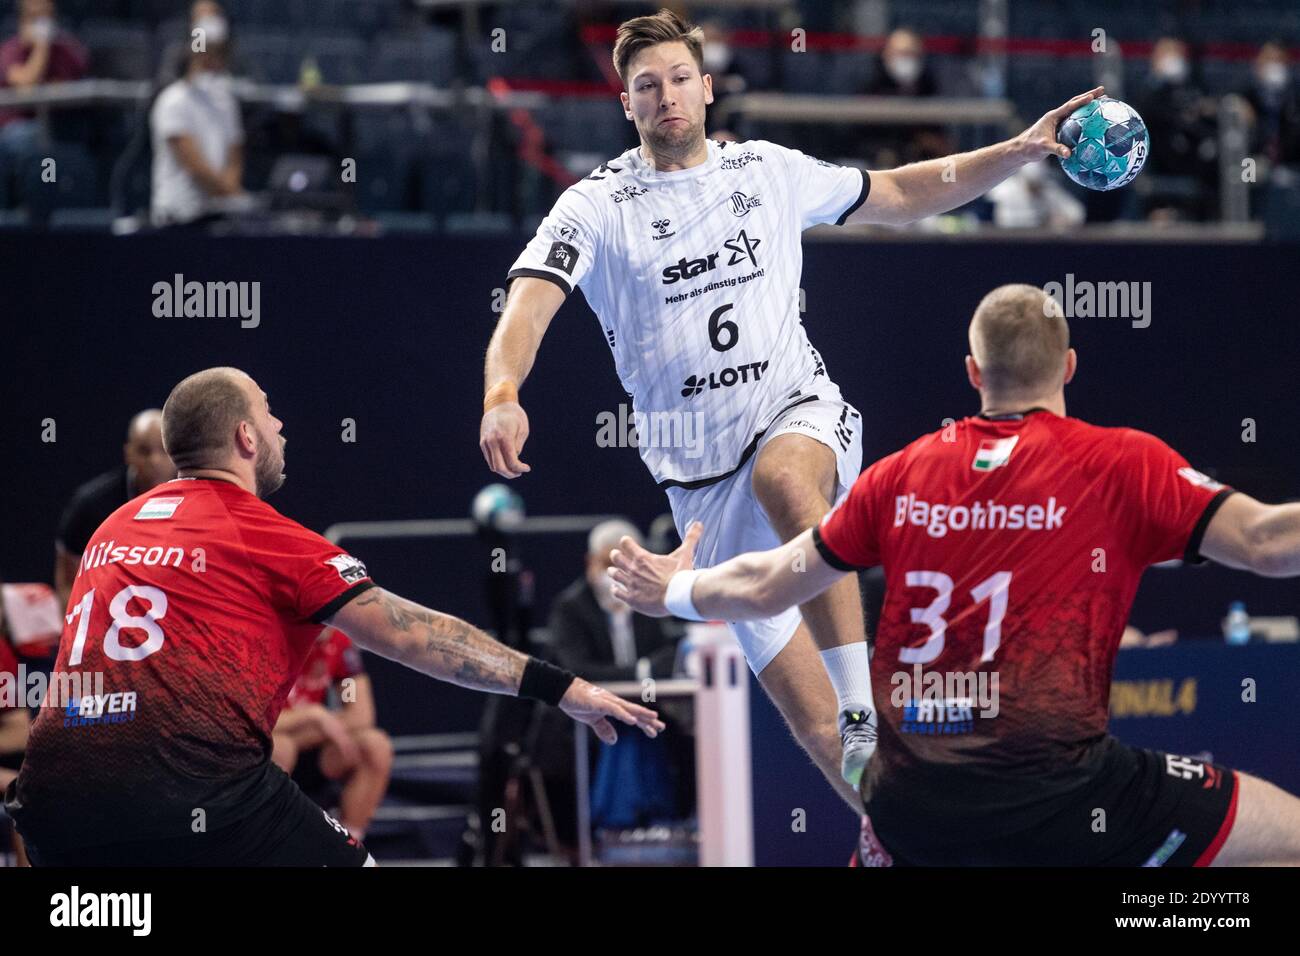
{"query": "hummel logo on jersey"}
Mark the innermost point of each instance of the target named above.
(994, 453)
(726, 378)
(742, 204)
(562, 256)
(158, 509)
(742, 247)
(349, 568)
(662, 226)
(628, 192)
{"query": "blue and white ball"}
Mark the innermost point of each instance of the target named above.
(1108, 141)
(498, 507)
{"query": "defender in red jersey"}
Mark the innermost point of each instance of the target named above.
(1012, 544)
(197, 602)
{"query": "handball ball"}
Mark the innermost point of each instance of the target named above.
(1108, 141)
(499, 508)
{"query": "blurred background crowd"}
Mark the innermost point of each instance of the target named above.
(460, 115)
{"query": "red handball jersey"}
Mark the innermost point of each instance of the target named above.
(198, 603)
(1012, 551)
(332, 658)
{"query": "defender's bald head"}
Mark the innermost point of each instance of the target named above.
(1020, 340)
(201, 414)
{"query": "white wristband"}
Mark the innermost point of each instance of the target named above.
(678, 598)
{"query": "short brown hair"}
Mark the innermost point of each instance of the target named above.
(200, 416)
(663, 27)
(1019, 338)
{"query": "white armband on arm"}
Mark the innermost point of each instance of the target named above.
(678, 597)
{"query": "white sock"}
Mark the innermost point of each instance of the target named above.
(849, 668)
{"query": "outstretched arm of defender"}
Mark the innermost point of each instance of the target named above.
(1251, 536)
(504, 429)
(934, 186)
(453, 650)
(749, 587)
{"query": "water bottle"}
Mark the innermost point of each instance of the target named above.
(1237, 627)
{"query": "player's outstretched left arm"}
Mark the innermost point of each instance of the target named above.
(447, 648)
(749, 587)
(935, 186)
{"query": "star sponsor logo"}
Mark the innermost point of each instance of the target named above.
(741, 204)
(742, 248)
(660, 227)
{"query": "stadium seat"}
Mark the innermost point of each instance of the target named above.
(94, 219)
(78, 181)
(271, 56)
(427, 56)
(118, 51)
(383, 181)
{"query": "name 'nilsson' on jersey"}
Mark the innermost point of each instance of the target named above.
(694, 277)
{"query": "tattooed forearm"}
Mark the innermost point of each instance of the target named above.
(436, 644)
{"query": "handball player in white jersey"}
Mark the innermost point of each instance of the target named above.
(689, 253)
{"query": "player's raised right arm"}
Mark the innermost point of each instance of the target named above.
(1249, 535)
(529, 309)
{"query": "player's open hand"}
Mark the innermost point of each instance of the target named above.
(501, 437)
(1040, 139)
(596, 707)
(641, 577)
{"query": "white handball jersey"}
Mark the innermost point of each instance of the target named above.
(694, 276)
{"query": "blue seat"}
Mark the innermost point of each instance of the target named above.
(383, 181)
(78, 182)
(118, 51)
(92, 219)
(426, 56)
(270, 56)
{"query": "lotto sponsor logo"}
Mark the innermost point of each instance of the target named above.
(726, 378)
(988, 515)
(118, 708)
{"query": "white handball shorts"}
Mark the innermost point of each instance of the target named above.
(734, 522)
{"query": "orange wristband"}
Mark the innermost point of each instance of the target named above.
(499, 394)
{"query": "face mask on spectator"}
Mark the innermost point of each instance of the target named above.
(1171, 68)
(42, 30)
(1272, 76)
(717, 57)
(904, 69)
(215, 29)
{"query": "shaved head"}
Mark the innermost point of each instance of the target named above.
(144, 453)
(1019, 339)
(201, 415)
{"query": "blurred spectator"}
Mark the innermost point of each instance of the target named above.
(1275, 104)
(1183, 124)
(197, 131)
(15, 724)
(600, 638)
(206, 15)
(39, 53)
(145, 464)
(1034, 198)
(1133, 637)
(902, 71)
(720, 63)
(317, 744)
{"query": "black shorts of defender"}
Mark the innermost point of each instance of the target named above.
(287, 829)
(1139, 808)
